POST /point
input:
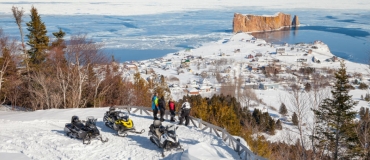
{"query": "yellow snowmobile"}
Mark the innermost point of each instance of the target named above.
(120, 121)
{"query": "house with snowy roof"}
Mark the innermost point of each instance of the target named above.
(131, 67)
(280, 51)
(192, 91)
(265, 86)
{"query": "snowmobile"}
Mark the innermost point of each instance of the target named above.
(86, 132)
(164, 137)
(120, 122)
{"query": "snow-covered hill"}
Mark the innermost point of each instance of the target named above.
(40, 135)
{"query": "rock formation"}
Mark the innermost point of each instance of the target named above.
(254, 23)
(295, 21)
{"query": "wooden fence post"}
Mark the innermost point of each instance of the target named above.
(238, 146)
(200, 123)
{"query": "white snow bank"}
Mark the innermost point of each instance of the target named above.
(205, 151)
(40, 135)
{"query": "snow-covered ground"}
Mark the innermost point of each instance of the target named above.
(40, 135)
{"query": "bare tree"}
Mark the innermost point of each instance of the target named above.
(18, 15)
(318, 93)
(248, 96)
(82, 53)
(8, 50)
(299, 104)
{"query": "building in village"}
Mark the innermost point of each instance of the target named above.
(280, 51)
(265, 86)
(192, 91)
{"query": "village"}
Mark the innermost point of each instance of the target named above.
(245, 64)
(258, 64)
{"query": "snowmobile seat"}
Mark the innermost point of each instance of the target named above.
(159, 131)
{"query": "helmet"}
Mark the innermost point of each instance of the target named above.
(111, 109)
(75, 119)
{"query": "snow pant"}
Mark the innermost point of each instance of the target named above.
(172, 115)
(162, 111)
(155, 112)
(185, 115)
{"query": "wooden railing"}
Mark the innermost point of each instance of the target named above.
(242, 150)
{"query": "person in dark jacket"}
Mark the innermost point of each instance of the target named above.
(155, 106)
(171, 105)
(162, 107)
(185, 111)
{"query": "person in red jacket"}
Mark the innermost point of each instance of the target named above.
(171, 105)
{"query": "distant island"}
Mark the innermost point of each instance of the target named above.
(256, 23)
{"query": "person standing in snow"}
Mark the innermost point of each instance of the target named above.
(185, 111)
(155, 106)
(171, 105)
(162, 107)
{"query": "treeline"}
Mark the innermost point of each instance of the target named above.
(54, 72)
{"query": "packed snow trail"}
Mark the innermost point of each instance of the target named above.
(40, 135)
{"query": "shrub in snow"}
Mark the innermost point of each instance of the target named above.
(363, 86)
(278, 125)
(283, 110)
(295, 119)
(367, 97)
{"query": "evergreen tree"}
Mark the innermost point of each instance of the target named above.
(295, 119)
(335, 127)
(361, 112)
(307, 87)
(141, 92)
(278, 124)
(37, 39)
(283, 110)
(59, 39)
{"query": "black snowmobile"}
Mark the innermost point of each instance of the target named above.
(164, 137)
(120, 122)
(86, 132)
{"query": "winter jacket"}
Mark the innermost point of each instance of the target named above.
(155, 103)
(185, 105)
(171, 105)
(162, 104)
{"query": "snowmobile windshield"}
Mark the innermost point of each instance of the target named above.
(171, 128)
(123, 116)
(90, 120)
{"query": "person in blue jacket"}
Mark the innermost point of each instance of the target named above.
(155, 106)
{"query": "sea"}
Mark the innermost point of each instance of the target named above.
(140, 37)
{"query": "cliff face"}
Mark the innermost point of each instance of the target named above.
(295, 21)
(253, 23)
